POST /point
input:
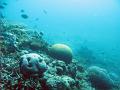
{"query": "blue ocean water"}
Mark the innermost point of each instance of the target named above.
(91, 25)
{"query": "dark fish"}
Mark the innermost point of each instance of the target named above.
(5, 3)
(41, 33)
(22, 10)
(44, 11)
(24, 16)
(2, 7)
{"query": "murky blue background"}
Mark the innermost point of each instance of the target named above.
(93, 25)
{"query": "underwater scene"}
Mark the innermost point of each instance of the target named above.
(59, 44)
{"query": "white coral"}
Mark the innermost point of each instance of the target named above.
(32, 64)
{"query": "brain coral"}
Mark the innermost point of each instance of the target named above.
(99, 78)
(61, 52)
(32, 64)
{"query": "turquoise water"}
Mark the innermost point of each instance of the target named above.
(94, 24)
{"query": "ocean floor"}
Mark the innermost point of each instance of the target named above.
(25, 64)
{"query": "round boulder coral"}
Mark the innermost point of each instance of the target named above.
(32, 64)
(100, 78)
(61, 52)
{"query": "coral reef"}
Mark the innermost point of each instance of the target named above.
(25, 63)
(62, 52)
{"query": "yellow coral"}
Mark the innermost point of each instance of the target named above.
(61, 52)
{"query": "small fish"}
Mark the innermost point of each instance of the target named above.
(41, 33)
(2, 7)
(24, 16)
(22, 10)
(44, 11)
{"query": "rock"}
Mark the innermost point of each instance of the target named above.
(60, 67)
(61, 52)
(60, 70)
(33, 41)
(47, 58)
(80, 76)
(32, 64)
(58, 83)
(36, 45)
(22, 52)
(72, 69)
(50, 72)
(99, 78)
(8, 42)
